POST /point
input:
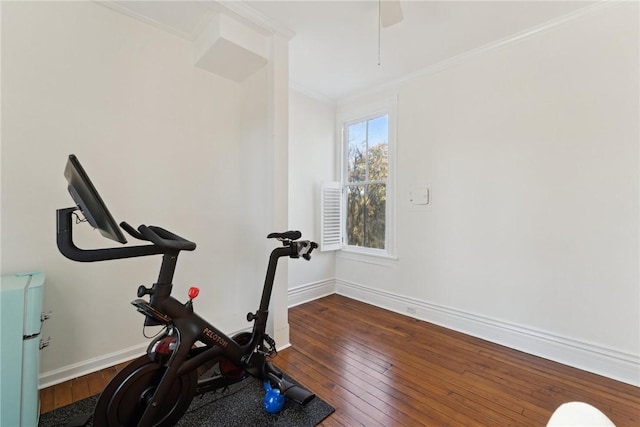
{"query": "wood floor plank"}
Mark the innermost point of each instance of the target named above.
(96, 382)
(47, 400)
(62, 394)
(80, 389)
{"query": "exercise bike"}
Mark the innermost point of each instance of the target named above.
(156, 388)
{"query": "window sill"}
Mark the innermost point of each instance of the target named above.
(367, 256)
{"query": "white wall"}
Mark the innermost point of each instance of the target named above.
(530, 150)
(165, 143)
(312, 160)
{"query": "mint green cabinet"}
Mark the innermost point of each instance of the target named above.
(20, 325)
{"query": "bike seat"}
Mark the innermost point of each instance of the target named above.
(287, 235)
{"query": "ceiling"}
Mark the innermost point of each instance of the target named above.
(334, 49)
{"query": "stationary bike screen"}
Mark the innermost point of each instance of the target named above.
(89, 201)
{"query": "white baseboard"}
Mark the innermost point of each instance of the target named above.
(608, 362)
(66, 373)
(311, 291)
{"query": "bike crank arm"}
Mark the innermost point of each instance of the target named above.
(290, 390)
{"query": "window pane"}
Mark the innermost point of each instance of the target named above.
(366, 206)
(355, 215)
(357, 140)
(378, 148)
(375, 207)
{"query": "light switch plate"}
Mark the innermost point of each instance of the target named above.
(419, 196)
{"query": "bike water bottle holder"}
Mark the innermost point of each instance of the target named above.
(271, 346)
(153, 316)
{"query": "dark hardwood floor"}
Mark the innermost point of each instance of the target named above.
(379, 368)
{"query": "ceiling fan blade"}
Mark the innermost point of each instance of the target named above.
(390, 12)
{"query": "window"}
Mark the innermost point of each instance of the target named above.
(367, 209)
(357, 213)
(365, 185)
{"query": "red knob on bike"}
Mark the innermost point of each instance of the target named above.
(193, 292)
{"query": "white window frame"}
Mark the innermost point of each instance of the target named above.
(355, 113)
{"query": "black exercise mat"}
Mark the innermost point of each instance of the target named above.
(240, 405)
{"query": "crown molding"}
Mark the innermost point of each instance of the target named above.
(312, 94)
(254, 16)
(497, 44)
(117, 7)
(237, 9)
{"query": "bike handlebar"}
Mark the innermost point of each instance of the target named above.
(68, 248)
(159, 237)
(165, 239)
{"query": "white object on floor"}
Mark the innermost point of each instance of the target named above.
(578, 414)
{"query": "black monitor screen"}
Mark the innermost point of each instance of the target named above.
(90, 202)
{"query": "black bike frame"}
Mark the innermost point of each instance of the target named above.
(181, 320)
